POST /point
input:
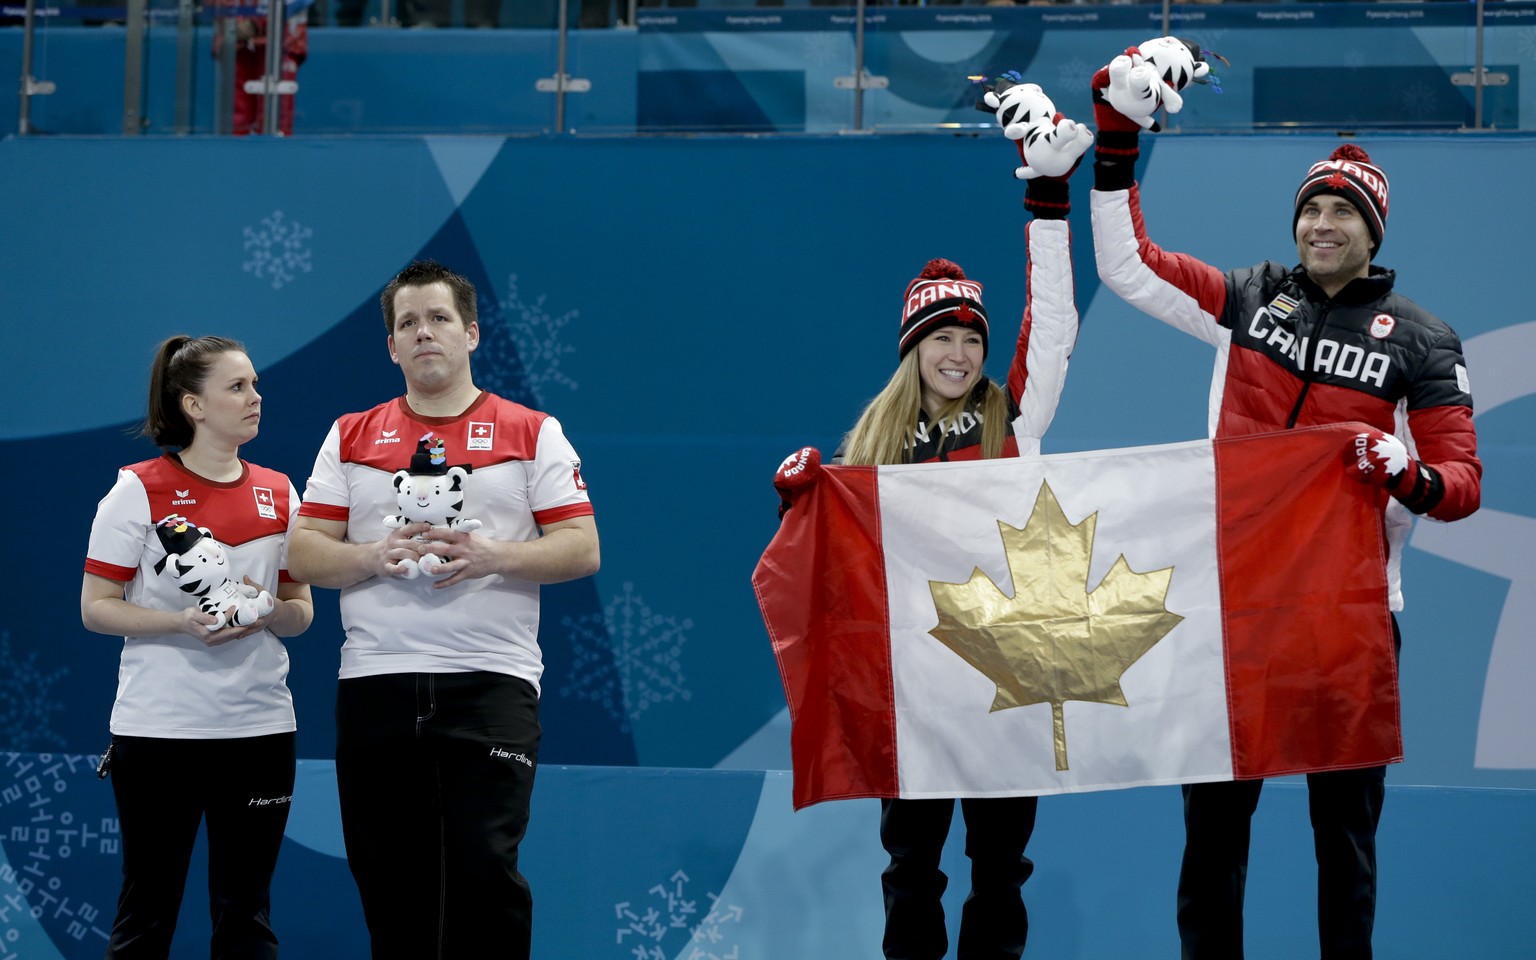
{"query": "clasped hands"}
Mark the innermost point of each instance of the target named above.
(464, 556)
(199, 625)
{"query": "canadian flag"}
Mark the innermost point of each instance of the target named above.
(1202, 611)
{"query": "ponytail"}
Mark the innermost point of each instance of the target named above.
(181, 366)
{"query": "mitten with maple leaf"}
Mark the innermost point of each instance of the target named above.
(1381, 459)
(797, 474)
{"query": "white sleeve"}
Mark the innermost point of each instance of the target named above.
(327, 486)
(1176, 288)
(556, 490)
(1050, 320)
(293, 514)
(120, 529)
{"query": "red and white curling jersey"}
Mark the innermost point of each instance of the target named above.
(524, 473)
(175, 686)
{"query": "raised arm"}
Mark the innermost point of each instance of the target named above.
(1050, 147)
(1049, 329)
(1173, 287)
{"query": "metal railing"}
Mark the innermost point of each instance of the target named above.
(139, 16)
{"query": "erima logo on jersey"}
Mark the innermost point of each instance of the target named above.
(184, 498)
(1344, 360)
(387, 436)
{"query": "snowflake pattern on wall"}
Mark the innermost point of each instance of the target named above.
(277, 250)
(1419, 100)
(627, 657)
(648, 930)
(27, 703)
(520, 349)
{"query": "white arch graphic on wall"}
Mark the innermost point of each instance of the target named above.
(1500, 544)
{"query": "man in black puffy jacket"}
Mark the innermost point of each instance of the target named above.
(1326, 341)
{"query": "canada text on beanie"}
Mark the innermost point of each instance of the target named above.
(941, 297)
(1349, 172)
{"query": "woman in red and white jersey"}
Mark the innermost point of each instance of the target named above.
(187, 563)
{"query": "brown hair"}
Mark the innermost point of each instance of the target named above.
(423, 273)
(181, 366)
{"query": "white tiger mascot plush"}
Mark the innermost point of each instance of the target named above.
(430, 491)
(1050, 145)
(1151, 76)
(199, 565)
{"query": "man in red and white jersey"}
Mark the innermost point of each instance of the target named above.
(437, 708)
(1329, 340)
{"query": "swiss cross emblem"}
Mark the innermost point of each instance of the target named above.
(265, 505)
(481, 436)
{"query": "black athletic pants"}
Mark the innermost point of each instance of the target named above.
(1345, 808)
(435, 772)
(993, 921)
(243, 787)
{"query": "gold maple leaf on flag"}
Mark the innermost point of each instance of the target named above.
(1054, 640)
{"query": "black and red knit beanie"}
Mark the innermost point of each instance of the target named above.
(941, 296)
(1348, 172)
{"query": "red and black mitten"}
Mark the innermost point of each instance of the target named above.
(1117, 146)
(1125, 73)
(1381, 459)
(1132, 88)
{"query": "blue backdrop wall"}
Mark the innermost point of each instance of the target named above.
(692, 311)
